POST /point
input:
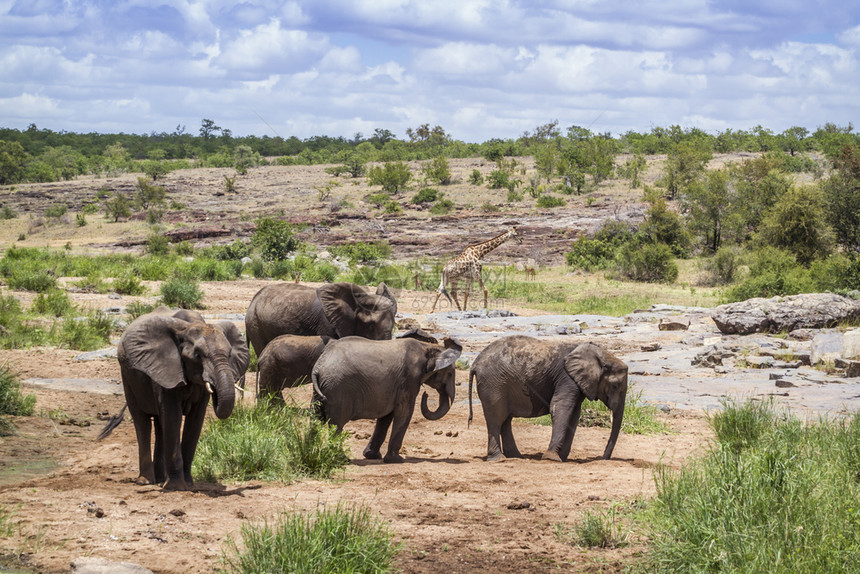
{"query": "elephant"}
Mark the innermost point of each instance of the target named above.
(521, 376)
(333, 310)
(170, 363)
(356, 378)
(287, 361)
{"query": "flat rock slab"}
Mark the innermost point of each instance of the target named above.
(102, 566)
(99, 386)
(784, 314)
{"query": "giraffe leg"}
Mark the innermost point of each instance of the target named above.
(438, 294)
(466, 293)
(484, 289)
(454, 295)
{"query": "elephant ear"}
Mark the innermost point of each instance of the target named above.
(189, 315)
(584, 367)
(240, 356)
(444, 359)
(383, 291)
(152, 344)
(339, 306)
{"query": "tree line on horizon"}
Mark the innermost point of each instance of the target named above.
(43, 155)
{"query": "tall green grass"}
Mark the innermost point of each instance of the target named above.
(773, 495)
(331, 540)
(12, 402)
(259, 443)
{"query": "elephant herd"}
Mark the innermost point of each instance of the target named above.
(338, 337)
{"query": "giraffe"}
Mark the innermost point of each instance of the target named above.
(468, 265)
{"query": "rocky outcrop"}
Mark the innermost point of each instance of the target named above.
(783, 314)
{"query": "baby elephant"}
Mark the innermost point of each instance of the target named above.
(287, 361)
(357, 378)
(525, 377)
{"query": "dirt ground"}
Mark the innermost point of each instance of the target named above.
(70, 496)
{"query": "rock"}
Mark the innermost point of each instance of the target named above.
(518, 505)
(775, 376)
(407, 323)
(853, 369)
(803, 357)
(665, 408)
(825, 347)
(91, 565)
(786, 364)
(851, 344)
(759, 362)
(674, 324)
(650, 347)
(803, 334)
(783, 384)
(568, 329)
(114, 296)
(711, 356)
(777, 314)
(246, 260)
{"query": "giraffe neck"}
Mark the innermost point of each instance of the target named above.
(480, 249)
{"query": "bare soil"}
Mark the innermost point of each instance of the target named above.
(70, 496)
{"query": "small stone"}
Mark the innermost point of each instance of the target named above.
(776, 376)
(438, 432)
(593, 497)
(448, 433)
(177, 512)
(650, 347)
(783, 384)
(665, 408)
(853, 369)
(674, 324)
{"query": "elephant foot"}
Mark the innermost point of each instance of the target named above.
(393, 457)
(552, 455)
(498, 457)
(372, 454)
(143, 481)
(176, 484)
(513, 454)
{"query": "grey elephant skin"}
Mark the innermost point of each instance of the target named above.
(287, 361)
(526, 377)
(170, 363)
(335, 310)
(357, 378)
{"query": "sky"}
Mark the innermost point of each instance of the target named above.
(481, 69)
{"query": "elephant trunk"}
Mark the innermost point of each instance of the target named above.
(446, 398)
(223, 392)
(617, 419)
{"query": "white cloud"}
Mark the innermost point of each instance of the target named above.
(272, 47)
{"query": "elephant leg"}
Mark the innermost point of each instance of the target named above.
(271, 385)
(143, 430)
(494, 448)
(190, 436)
(160, 468)
(564, 451)
(171, 425)
(561, 410)
(382, 424)
(402, 415)
(509, 445)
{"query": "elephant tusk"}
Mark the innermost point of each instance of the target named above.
(210, 388)
(238, 388)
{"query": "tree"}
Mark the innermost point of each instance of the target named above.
(208, 129)
(148, 195)
(392, 176)
(274, 238)
(685, 163)
(438, 170)
(842, 194)
(797, 223)
(118, 205)
(546, 160)
(794, 139)
(711, 209)
(12, 162)
(381, 137)
(245, 158)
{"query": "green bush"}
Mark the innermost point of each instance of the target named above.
(598, 251)
(29, 279)
(476, 178)
(182, 293)
(85, 333)
(772, 495)
(772, 272)
(426, 195)
(185, 248)
(274, 238)
(56, 210)
(158, 245)
(438, 170)
(442, 206)
(136, 308)
(54, 302)
(362, 251)
(649, 262)
(723, 266)
(546, 201)
(838, 273)
(260, 443)
(12, 401)
(128, 284)
(600, 529)
(329, 541)
(393, 176)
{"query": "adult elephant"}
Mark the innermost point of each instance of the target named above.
(170, 363)
(333, 310)
(522, 376)
(287, 361)
(357, 378)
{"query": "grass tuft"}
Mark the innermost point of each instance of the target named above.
(599, 529)
(260, 443)
(331, 540)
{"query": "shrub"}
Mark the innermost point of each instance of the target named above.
(182, 293)
(442, 207)
(136, 308)
(12, 401)
(330, 541)
(362, 251)
(476, 178)
(392, 207)
(392, 176)
(117, 206)
(148, 195)
(54, 302)
(158, 245)
(600, 529)
(128, 284)
(598, 251)
(772, 272)
(86, 333)
(186, 249)
(7, 213)
(839, 273)
(438, 169)
(426, 195)
(549, 201)
(56, 210)
(81, 220)
(650, 262)
(274, 238)
(723, 266)
(29, 279)
(260, 443)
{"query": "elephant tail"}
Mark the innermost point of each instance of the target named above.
(318, 400)
(471, 378)
(112, 423)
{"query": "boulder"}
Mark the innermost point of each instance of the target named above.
(674, 324)
(851, 344)
(784, 314)
(825, 347)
